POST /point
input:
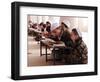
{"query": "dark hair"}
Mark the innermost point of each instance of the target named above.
(48, 22)
(64, 24)
(44, 25)
(75, 31)
(41, 23)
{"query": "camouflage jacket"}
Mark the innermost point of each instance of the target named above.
(80, 51)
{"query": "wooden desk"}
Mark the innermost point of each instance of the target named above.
(47, 43)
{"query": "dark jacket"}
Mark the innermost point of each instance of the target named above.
(79, 55)
(65, 37)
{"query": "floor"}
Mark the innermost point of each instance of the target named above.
(34, 58)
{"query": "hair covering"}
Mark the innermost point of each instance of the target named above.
(67, 23)
(78, 31)
(54, 26)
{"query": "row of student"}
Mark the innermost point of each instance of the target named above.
(78, 52)
(73, 39)
(42, 26)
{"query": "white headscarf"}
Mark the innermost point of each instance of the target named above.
(54, 26)
(78, 31)
(67, 23)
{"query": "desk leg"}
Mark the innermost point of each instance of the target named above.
(46, 53)
(40, 48)
(54, 58)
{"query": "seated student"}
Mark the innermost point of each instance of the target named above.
(55, 31)
(48, 26)
(80, 51)
(65, 34)
(47, 29)
(59, 34)
(41, 28)
(35, 26)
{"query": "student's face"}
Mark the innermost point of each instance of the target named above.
(57, 32)
(73, 36)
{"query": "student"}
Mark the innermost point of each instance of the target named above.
(80, 51)
(41, 28)
(55, 31)
(47, 29)
(48, 26)
(61, 32)
(61, 35)
(65, 34)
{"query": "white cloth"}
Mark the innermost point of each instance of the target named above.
(67, 23)
(54, 26)
(79, 33)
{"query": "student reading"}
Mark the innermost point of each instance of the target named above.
(78, 52)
